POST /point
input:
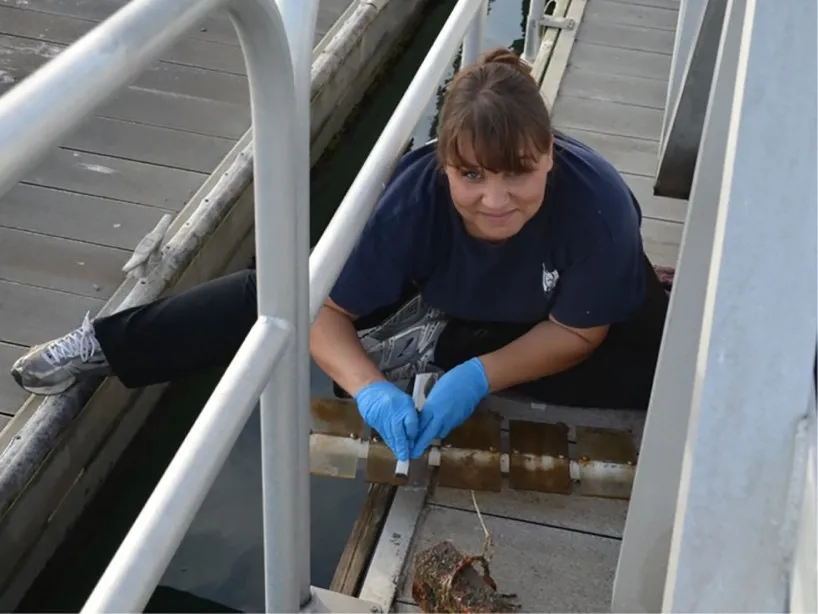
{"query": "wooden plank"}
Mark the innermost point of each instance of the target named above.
(12, 396)
(199, 115)
(117, 179)
(513, 406)
(574, 512)
(33, 315)
(362, 540)
(550, 570)
(628, 155)
(662, 240)
(77, 216)
(624, 89)
(382, 582)
(198, 82)
(607, 117)
(216, 28)
(613, 61)
(19, 57)
(151, 144)
(60, 264)
(189, 51)
(655, 207)
(628, 37)
(612, 11)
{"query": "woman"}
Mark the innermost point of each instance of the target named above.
(502, 254)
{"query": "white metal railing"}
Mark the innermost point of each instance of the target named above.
(533, 30)
(714, 515)
(272, 365)
(691, 74)
(40, 112)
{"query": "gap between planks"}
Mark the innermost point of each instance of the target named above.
(351, 568)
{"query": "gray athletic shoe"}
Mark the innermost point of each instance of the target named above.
(53, 367)
(403, 345)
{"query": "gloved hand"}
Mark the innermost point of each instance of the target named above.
(451, 402)
(391, 412)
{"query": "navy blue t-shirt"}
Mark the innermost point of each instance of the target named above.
(579, 258)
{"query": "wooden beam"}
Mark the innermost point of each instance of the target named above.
(349, 573)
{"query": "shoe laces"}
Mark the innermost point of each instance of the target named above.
(79, 343)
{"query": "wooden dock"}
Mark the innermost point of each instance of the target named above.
(612, 97)
(68, 228)
(607, 80)
(174, 142)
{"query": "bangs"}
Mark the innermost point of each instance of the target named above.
(508, 154)
(494, 139)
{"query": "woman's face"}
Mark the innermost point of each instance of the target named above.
(495, 206)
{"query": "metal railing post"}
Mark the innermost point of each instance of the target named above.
(752, 367)
(133, 573)
(643, 556)
(473, 41)
(684, 115)
(280, 253)
(533, 40)
(690, 16)
(300, 19)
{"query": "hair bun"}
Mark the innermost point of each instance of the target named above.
(503, 55)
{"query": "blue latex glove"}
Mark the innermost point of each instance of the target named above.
(451, 402)
(391, 412)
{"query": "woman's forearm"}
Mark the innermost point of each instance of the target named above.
(335, 347)
(544, 350)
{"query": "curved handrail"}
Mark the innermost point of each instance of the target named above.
(279, 180)
(40, 112)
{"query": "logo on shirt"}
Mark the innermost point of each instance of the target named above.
(549, 279)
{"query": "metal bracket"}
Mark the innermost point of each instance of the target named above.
(560, 23)
(339, 418)
(470, 456)
(531, 443)
(147, 253)
(607, 462)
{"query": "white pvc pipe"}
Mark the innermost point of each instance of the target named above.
(346, 447)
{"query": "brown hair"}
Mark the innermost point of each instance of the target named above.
(496, 104)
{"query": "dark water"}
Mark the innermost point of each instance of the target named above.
(219, 564)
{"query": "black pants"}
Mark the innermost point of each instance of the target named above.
(203, 328)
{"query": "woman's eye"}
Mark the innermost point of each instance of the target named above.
(472, 175)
